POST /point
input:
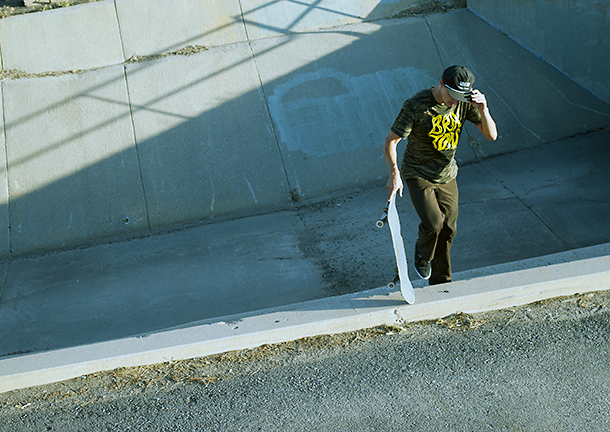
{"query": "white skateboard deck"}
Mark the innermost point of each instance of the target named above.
(406, 289)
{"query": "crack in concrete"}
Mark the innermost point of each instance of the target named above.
(534, 213)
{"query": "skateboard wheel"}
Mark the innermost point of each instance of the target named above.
(392, 285)
(383, 219)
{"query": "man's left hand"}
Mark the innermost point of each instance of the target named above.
(477, 99)
(487, 126)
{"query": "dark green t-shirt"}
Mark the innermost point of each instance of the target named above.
(433, 131)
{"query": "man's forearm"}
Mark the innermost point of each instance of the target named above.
(488, 126)
(389, 151)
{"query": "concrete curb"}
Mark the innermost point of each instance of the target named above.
(480, 290)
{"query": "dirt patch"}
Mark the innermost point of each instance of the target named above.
(17, 74)
(341, 236)
(187, 51)
(427, 7)
(18, 7)
(460, 321)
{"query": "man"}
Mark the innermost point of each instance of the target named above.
(432, 120)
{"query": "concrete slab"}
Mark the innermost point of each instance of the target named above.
(331, 112)
(151, 27)
(534, 202)
(73, 169)
(494, 231)
(568, 35)
(205, 141)
(264, 19)
(337, 314)
(350, 251)
(120, 290)
(530, 100)
(563, 198)
(495, 225)
(77, 37)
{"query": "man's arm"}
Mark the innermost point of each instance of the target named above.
(389, 151)
(488, 126)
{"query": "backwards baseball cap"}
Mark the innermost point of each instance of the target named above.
(458, 81)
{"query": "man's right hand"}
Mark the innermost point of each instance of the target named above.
(389, 152)
(394, 184)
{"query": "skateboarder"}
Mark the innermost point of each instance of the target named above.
(432, 120)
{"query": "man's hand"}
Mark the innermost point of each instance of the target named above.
(394, 184)
(478, 100)
(389, 151)
(488, 126)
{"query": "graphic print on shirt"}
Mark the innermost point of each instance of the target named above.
(445, 131)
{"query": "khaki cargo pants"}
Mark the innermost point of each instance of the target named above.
(437, 207)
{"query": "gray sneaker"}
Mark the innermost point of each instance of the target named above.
(422, 267)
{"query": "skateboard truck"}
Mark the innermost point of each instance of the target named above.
(383, 219)
(396, 278)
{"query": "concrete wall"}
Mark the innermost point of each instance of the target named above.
(572, 35)
(291, 101)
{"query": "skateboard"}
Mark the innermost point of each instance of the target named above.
(390, 216)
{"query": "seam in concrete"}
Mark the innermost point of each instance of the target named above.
(118, 25)
(8, 264)
(536, 215)
(438, 52)
(543, 222)
(136, 147)
(507, 105)
(268, 110)
(8, 192)
(133, 125)
(471, 145)
(568, 101)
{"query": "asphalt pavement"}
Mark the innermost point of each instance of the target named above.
(537, 367)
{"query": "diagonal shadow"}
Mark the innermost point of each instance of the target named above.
(133, 290)
(131, 71)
